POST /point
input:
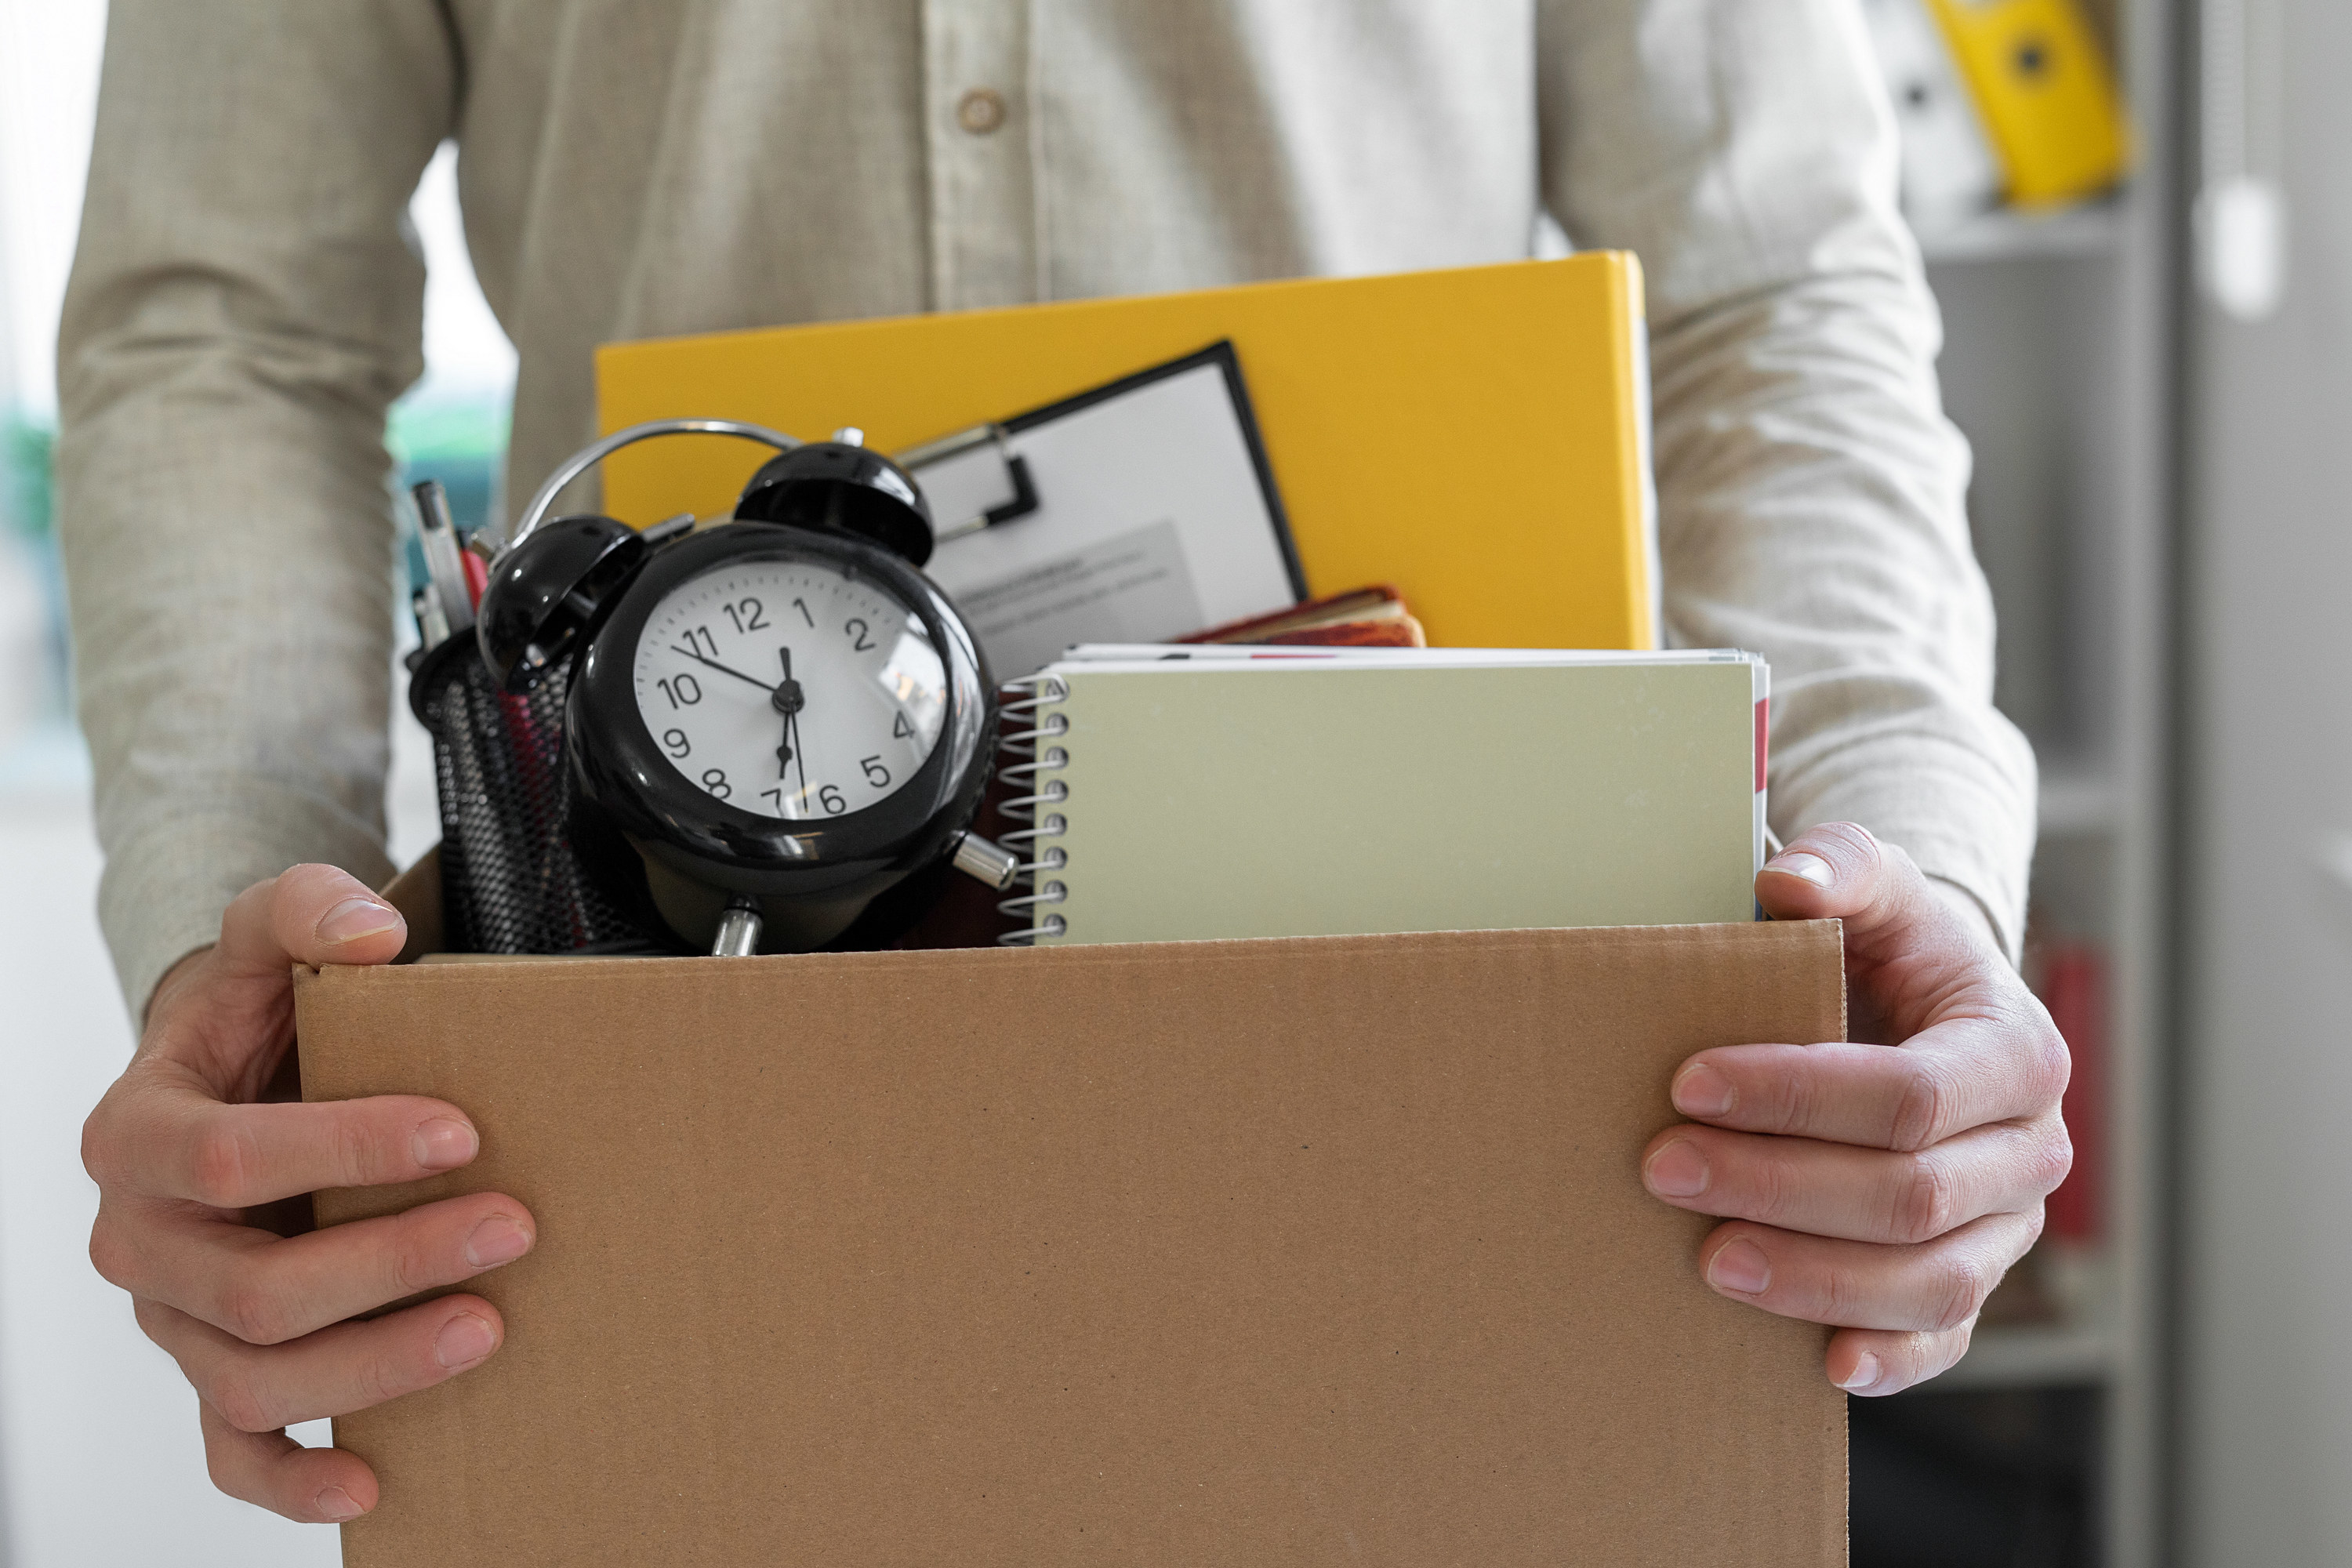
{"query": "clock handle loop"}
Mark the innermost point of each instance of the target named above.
(588, 457)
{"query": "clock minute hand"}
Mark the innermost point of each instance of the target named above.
(789, 699)
(723, 669)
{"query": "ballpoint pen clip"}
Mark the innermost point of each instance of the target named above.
(432, 626)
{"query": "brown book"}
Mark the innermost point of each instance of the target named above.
(1364, 617)
(1396, 631)
(2071, 978)
(1317, 1250)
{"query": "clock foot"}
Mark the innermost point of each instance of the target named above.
(993, 863)
(739, 928)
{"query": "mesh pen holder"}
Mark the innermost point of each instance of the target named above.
(510, 880)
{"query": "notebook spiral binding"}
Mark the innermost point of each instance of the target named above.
(1022, 699)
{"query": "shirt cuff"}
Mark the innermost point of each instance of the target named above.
(1964, 814)
(162, 893)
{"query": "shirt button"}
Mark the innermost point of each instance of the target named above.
(980, 110)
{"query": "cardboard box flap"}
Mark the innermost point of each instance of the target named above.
(1319, 1250)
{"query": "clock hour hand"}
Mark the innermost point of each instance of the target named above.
(721, 668)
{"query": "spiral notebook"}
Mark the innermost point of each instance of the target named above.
(1176, 793)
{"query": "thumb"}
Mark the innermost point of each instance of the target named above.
(316, 915)
(232, 1015)
(1838, 870)
(308, 914)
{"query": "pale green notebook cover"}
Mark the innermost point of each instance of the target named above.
(1330, 798)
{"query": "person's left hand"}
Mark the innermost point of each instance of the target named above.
(1881, 1188)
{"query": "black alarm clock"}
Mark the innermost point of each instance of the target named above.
(778, 730)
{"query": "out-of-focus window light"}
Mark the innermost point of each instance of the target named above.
(48, 96)
(452, 425)
(49, 93)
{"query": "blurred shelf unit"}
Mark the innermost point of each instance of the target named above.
(2009, 233)
(2059, 366)
(2033, 1358)
(2078, 801)
(2333, 859)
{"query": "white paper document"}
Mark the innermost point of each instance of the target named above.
(1155, 515)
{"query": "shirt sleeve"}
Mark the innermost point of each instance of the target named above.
(245, 304)
(1811, 493)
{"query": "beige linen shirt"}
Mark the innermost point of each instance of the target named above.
(248, 296)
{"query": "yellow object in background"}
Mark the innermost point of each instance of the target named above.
(1477, 437)
(2045, 93)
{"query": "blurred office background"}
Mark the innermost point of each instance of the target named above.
(2149, 305)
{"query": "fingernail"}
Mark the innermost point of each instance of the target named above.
(355, 917)
(336, 1504)
(1864, 1375)
(1740, 1268)
(1676, 1170)
(496, 1239)
(442, 1144)
(1702, 1091)
(1812, 867)
(463, 1340)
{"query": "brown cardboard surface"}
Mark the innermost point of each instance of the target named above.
(1291, 1251)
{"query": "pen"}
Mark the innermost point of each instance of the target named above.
(443, 562)
(432, 626)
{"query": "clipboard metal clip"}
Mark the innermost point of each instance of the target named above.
(1016, 472)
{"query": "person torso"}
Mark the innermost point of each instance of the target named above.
(638, 168)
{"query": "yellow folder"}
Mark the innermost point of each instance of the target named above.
(2043, 89)
(1477, 436)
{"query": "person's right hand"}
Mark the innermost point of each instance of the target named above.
(183, 1153)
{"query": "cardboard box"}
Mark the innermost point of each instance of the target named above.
(1283, 1251)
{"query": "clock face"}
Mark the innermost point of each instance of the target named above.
(789, 688)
